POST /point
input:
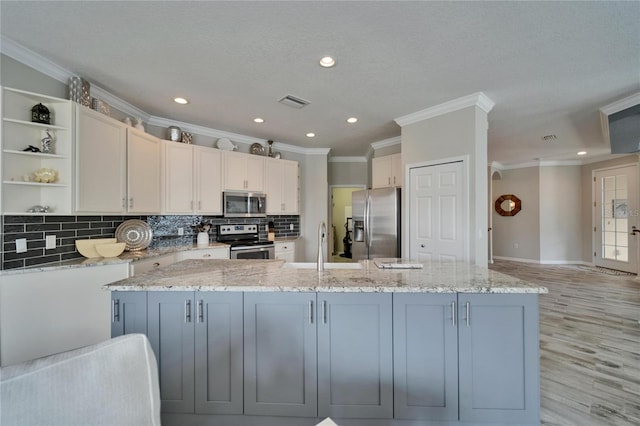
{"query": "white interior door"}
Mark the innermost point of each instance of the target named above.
(437, 229)
(616, 218)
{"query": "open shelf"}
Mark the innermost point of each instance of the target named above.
(33, 154)
(31, 123)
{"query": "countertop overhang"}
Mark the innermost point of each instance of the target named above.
(268, 275)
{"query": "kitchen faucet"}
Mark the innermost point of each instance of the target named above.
(322, 231)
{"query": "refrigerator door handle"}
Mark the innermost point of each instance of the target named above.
(366, 223)
(367, 229)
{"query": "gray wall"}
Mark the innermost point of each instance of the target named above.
(16, 75)
(462, 132)
(387, 150)
(523, 229)
(342, 173)
(560, 214)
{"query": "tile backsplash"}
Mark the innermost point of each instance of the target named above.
(67, 229)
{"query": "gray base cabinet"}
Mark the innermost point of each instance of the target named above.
(280, 354)
(128, 313)
(425, 342)
(355, 356)
(467, 357)
(499, 358)
(197, 341)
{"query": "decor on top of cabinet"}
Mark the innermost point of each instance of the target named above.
(40, 114)
(101, 106)
(127, 121)
(256, 149)
(45, 175)
(226, 145)
(270, 152)
(79, 91)
(39, 209)
(47, 143)
(187, 137)
(138, 125)
(174, 133)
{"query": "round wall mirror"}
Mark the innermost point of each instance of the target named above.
(508, 205)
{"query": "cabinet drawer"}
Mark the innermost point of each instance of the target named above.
(142, 266)
(210, 253)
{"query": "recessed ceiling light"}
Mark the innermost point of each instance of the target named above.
(582, 153)
(327, 62)
(181, 101)
(352, 120)
(258, 120)
(311, 135)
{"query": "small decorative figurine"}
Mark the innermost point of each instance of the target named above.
(40, 114)
(138, 124)
(31, 148)
(127, 121)
(47, 143)
(39, 209)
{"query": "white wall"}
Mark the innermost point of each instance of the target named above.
(455, 134)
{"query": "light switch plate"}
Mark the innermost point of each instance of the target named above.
(291, 226)
(180, 231)
(50, 242)
(21, 245)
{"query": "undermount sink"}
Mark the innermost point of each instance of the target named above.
(313, 265)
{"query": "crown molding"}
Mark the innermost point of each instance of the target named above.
(386, 142)
(621, 104)
(119, 104)
(478, 99)
(348, 159)
(34, 60)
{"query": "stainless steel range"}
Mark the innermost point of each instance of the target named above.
(245, 242)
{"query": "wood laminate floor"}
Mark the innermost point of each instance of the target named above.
(589, 344)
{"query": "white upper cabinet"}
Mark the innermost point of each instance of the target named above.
(20, 188)
(386, 171)
(100, 162)
(208, 180)
(143, 172)
(282, 186)
(191, 179)
(117, 167)
(243, 172)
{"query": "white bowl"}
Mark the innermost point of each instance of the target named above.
(110, 249)
(87, 247)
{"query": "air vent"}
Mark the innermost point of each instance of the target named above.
(294, 102)
(549, 138)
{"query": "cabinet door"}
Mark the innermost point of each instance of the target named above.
(396, 170)
(381, 172)
(280, 375)
(208, 180)
(100, 162)
(218, 353)
(499, 358)
(355, 378)
(289, 187)
(171, 333)
(143, 172)
(128, 312)
(255, 173)
(285, 251)
(274, 177)
(425, 344)
(178, 177)
(235, 173)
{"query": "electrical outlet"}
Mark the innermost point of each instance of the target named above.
(21, 245)
(50, 242)
(180, 231)
(266, 228)
(516, 245)
(291, 226)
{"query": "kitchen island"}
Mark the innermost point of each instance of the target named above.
(264, 343)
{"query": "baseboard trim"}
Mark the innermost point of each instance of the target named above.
(544, 262)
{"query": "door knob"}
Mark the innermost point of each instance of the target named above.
(421, 245)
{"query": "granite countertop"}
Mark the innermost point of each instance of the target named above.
(126, 257)
(268, 275)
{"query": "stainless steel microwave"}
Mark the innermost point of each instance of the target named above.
(244, 204)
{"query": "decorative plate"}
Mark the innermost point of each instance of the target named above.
(257, 149)
(226, 145)
(135, 233)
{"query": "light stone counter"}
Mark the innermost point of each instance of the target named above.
(268, 275)
(126, 257)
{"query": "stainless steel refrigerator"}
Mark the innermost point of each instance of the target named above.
(376, 223)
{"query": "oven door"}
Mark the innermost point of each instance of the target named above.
(253, 253)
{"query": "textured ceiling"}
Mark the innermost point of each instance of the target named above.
(548, 66)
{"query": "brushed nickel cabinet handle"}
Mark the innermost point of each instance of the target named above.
(324, 311)
(115, 310)
(467, 312)
(200, 313)
(453, 313)
(187, 311)
(310, 311)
